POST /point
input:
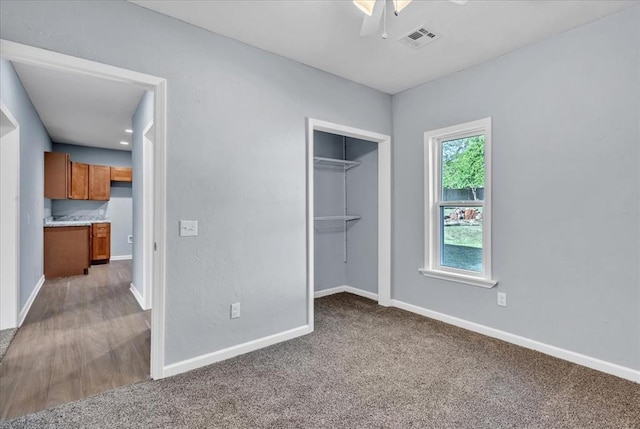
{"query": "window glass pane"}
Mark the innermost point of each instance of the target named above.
(461, 230)
(463, 169)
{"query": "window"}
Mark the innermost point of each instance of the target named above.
(458, 203)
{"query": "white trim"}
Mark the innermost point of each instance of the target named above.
(580, 359)
(230, 352)
(29, 303)
(330, 291)
(121, 258)
(433, 201)
(159, 231)
(348, 289)
(137, 296)
(24, 54)
(147, 214)
(384, 207)
(458, 278)
(9, 222)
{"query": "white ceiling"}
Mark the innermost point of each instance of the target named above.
(326, 34)
(81, 110)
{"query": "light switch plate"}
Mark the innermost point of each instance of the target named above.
(188, 228)
(235, 310)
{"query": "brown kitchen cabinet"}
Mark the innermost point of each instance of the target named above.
(66, 251)
(79, 181)
(99, 182)
(121, 174)
(57, 175)
(100, 242)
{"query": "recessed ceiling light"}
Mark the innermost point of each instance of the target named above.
(125, 143)
(128, 131)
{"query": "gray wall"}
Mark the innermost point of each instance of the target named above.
(361, 269)
(34, 141)
(95, 155)
(565, 115)
(235, 159)
(362, 200)
(141, 118)
(329, 268)
(118, 209)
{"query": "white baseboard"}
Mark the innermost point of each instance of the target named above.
(27, 306)
(138, 297)
(240, 349)
(121, 258)
(327, 292)
(580, 359)
(345, 288)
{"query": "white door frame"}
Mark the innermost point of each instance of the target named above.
(147, 215)
(9, 219)
(384, 207)
(24, 54)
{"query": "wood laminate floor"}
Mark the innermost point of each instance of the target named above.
(83, 335)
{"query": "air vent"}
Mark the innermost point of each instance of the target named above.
(418, 38)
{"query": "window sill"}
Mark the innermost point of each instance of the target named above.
(458, 278)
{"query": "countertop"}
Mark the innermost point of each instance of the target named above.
(73, 221)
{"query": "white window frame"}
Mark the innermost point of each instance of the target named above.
(433, 203)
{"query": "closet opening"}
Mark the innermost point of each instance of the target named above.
(348, 213)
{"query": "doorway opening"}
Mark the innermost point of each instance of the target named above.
(9, 218)
(151, 234)
(325, 141)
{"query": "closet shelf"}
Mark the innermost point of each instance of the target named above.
(335, 162)
(343, 218)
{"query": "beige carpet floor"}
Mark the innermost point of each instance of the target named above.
(6, 335)
(367, 367)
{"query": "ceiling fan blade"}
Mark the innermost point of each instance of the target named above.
(370, 24)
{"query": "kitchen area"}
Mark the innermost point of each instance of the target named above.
(90, 208)
(82, 322)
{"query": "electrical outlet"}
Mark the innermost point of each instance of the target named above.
(129, 239)
(502, 299)
(235, 310)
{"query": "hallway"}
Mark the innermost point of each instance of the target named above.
(83, 335)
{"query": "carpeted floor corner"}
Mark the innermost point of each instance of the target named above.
(6, 335)
(367, 366)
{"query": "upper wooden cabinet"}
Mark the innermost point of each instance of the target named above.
(121, 174)
(57, 175)
(79, 181)
(64, 179)
(99, 182)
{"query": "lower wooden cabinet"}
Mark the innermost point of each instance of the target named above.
(100, 242)
(66, 251)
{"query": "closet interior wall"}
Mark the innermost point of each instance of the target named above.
(361, 267)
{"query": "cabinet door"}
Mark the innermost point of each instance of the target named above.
(99, 182)
(79, 181)
(121, 174)
(66, 251)
(101, 242)
(56, 175)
